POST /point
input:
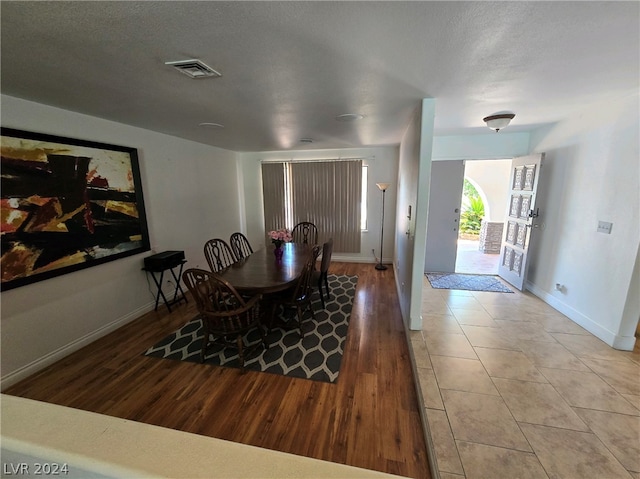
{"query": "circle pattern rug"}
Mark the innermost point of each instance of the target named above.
(317, 356)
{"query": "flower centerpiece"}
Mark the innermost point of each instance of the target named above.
(279, 237)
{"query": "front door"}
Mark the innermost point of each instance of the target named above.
(520, 219)
(443, 220)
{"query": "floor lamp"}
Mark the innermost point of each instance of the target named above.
(383, 187)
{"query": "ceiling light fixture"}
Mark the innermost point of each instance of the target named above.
(211, 125)
(194, 69)
(498, 122)
(349, 117)
(306, 140)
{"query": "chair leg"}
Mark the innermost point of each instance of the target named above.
(326, 285)
(320, 291)
(240, 350)
(300, 314)
(205, 341)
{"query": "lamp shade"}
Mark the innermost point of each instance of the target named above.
(382, 186)
(498, 122)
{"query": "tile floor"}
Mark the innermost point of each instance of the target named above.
(514, 389)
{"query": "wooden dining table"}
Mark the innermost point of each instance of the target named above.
(262, 272)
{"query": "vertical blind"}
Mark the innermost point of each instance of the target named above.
(274, 196)
(326, 193)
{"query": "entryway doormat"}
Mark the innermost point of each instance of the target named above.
(316, 357)
(468, 282)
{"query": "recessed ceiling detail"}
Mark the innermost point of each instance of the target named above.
(306, 140)
(211, 125)
(194, 68)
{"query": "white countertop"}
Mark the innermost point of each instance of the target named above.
(95, 445)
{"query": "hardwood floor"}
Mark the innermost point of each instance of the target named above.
(370, 418)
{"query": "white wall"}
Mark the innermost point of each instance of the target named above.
(592, 171)
(190, 193)
(482, 146)
(414, 175)
(383, 167)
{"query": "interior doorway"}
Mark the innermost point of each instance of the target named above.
(482, 214)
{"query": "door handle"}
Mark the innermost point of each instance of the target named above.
(534, 215)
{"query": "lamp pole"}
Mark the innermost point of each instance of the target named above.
(383, 187)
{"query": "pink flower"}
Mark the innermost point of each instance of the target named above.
(280, 236)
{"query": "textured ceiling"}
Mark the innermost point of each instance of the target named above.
(289, 68)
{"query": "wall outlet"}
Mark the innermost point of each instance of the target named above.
(604, 227)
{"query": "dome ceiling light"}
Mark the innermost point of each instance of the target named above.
(498, 122)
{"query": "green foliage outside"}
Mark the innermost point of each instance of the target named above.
(473, 210)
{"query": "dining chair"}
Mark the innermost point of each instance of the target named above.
(218, 254)
(321, 277)
(299, 296)
(305, 232)
(240, 245)
(226, 316)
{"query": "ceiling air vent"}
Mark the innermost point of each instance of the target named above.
(194, 68)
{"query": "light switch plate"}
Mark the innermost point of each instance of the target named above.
(604, 227)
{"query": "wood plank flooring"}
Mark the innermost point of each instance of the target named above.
(369, 418)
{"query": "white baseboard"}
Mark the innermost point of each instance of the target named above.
(609, 337)
(345, 258)
(50, 358)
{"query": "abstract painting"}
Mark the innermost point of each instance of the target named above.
(66, 205)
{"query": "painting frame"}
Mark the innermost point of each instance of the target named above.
(67, 204)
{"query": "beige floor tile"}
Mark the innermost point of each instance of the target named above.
(421, 354)
(587, 390)
(416, 336)
(490, 297)
(538, 403)
(484, 337)
(447, 293)
(633, 399)
(569, 454)
(517, 310)
(462, 375)
(448, 344)
(429, 389)
(446, 475)
(635, 354)
(557, 323)
(434, 306)
(620, 433)
(589, 347)
(503, 363)
(485, 462)
(441, 323)
(525, 330)
(445, 447)
(551, 355)
(464, 302)
(476, 317)
(482, 419)
(623, 376)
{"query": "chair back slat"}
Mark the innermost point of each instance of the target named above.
(305, 232)
(223, 311)
(240, 245)
(218, 254)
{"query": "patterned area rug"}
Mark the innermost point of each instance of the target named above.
(317, 356)
(468, 282)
